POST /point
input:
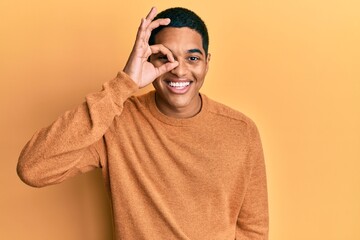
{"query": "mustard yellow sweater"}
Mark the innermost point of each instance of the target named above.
(201, 178)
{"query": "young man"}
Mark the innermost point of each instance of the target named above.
(177, 164)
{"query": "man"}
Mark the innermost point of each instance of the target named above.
(177, 164)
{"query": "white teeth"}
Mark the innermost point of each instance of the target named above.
(179, 84)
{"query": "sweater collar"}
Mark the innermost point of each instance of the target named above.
(197, 119)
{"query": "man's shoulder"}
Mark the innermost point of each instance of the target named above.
(138, 100)
(221, 110)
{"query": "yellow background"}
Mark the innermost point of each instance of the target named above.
(292, 66)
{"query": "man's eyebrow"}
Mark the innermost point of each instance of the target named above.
(195, 50)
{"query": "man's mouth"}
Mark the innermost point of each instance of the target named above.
(178, 85)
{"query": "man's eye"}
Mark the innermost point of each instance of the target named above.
(194, 59)
(163, 58)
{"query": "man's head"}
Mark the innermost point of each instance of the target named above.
(186, 37)
(182, 17)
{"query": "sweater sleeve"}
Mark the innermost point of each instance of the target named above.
(253, 220)
(67, 146)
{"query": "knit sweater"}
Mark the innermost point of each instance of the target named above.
(168, 178)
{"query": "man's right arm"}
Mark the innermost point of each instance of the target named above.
(65, 148)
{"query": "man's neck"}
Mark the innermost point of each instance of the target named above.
(181, 112)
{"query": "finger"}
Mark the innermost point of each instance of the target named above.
(151, 15)
(167, 67)
(159, 48)
(146, 21)
(144, 31)
(141, 30)
(154, 24)
(157, 23)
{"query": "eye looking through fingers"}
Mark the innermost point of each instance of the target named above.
(162, 58)
(160, 50)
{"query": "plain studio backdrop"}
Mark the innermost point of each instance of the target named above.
(292, 66)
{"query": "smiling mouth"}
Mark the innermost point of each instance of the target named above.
(178, 85)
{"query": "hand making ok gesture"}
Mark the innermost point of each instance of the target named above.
(137, 67)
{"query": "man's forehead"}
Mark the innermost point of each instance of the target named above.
(184, 39)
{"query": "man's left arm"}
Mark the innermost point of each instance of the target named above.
(253, 220)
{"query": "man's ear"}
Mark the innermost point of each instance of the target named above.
(207, 61)
(208, 58)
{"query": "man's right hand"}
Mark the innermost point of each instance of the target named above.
(137, 67)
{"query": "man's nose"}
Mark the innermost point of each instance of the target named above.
(181, 69)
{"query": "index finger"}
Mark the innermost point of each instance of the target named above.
(159, 48)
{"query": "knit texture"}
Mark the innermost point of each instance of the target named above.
(168, 178)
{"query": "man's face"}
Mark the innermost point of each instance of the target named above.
(177, 91)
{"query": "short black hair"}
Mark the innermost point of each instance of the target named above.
(182, 17)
